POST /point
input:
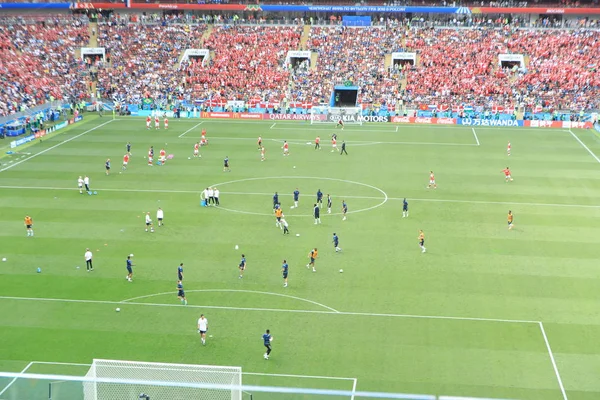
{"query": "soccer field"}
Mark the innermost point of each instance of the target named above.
(485, 312)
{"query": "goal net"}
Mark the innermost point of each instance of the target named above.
(129, 380)
(349, 115)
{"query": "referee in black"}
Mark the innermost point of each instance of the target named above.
(343, 148)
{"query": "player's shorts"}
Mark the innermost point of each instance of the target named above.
(130, 270)
(404, 208)
(203, 332)
(179, 277)
(195, 151)
(421, 242)
(148, 124)
(150, 159)
(335, 244)
(180, 293)
(334, 145)
(124, 162)
(260, 142)
(166, 125)
(345, 210)
(226, 164)
(28, 226)
(80, 185)
(108, 168)
(509, 223)
(148, 223)
(285, 150)
(242, 267)
(268, 346)
(278, 219)
(508, 177)
(312, 260)
(160, 219)
(432, 181)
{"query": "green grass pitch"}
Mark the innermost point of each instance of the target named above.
(485, 312)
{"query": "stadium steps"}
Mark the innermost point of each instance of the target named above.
(314, 56)
(304, 38)
(77, 53)
(387, 61)
(206, 35)
(93, 26)
(526, 58)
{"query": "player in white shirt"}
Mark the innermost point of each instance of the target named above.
(216, 194)
(205, 195)
(86, 183)
(211, 196)
(156, 122)
(80, 185)
(197, 150)
(149, 223)
(159, 216)
(202, 328)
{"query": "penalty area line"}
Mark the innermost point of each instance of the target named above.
(56, 145)
(584, 146)
(191, 129)
(273, 126)
(475, 134)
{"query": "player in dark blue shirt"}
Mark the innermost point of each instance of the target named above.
(343, 148)
(284, 271)
(128, 145)
(129, 269)
(180, 272)
(317, 214)
(344, 209)
(275, 200)
(404, 208)
(320, 198)
(296, 197)
(242, 266)
(267, 339)
(107, 165)
(226, 165)
(336, 242)
(181, 293)
(329, 204)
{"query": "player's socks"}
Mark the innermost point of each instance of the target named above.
(307, 265)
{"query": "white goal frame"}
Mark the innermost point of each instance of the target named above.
(126, 380)
(349, 115)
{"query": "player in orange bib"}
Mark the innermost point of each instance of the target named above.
(431, 181)
(29, 225)
(148, 121)
(422, 241)
(313, 256)
(166, 121)
(510, 220)
(125, 161)
(507, 176)
(278, 216)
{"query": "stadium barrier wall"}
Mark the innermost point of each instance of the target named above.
(43, 132)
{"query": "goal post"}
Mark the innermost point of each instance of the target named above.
(349, 115)
(154, 381)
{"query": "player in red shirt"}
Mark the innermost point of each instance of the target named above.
(431, 181)
(148, 121)
(318, 143)
(259, 142)
(125, 161)
(340, 123)
(162, 156)
(334, 144)
(197, 150)
(508, 149)
(150, 156)
(507, 176)
(156, 122)
(286, 148)
(166, 123)
(203, 141)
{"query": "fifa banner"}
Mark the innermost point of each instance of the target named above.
(558, 124)
(489, 122)
(93, 51)
(423, 120)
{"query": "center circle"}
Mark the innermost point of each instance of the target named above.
(384, 196)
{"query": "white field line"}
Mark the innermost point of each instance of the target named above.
(475, 134)
(355, 142)
(397, 126)
(15, 379)
(191, 129)
(345, 313)
(354, 388)
(196, 192)
(273, 126)
(584, 146)
(560, 384)
(55, 146)
(236, 291)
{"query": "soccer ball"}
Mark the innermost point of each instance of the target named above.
(341, 270)
(297, 234)
(292, 207)
(271, 339)
(131, 255)
(39, 270)
(189, 158)
(4, 259)
(237, 247)
(118, 310)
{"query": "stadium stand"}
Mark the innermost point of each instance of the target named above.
(37, 61)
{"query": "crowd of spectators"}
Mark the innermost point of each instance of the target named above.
(38, 63)
(246, 62)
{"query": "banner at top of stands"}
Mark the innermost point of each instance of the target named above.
(306, 8)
